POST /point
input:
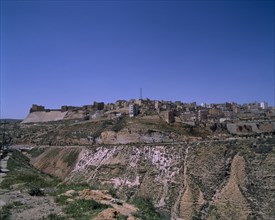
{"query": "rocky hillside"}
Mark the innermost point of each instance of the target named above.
(190, 180)
(186, 172)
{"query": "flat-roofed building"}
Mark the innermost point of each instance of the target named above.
(133, 110)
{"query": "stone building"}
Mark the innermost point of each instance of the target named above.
(216, 112)
(37, 108)
(169, 116)
(98, 105)
(157, 106)
(202, 114)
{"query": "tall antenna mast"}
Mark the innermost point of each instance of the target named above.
(140, 93)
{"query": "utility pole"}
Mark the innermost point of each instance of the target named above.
(140, 94)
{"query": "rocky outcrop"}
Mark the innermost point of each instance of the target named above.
(148, 171)
(251, 128)
(127, 136)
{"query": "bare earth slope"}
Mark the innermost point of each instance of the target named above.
(204, 180)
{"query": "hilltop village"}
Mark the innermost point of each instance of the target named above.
(256, 118)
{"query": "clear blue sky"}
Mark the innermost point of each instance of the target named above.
(57, 53)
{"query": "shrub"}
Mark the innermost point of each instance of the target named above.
(81, 208)
(112, 192)
(71, 157)
(122, 217)
(35, 152)
(263, 149)
(35, 191)
(22, 172)
(119, 125)
(61, 199)
(28, 177)
(146, 209)
(17, 160)
(5, 212)
(55, 217)
(77, 187)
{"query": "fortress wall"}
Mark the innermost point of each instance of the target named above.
(44, 116)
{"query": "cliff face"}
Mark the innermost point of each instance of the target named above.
(201, 180)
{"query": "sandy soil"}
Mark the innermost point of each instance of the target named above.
(28, 207)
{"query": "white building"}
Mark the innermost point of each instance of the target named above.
(133, 110)
(264, 105)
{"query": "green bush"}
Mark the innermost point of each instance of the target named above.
(17, 160)
(77, 187)
(30, 179)
(112, 192)
(55, 217)
(263, 149)
(5, 212)
(61, 199)
(71, 157)
(146, 209)
(215, 212)
(102, 127)
(35, 152)
(84, 208)
(122, 217)
(22, 172)
(35, 191)
(119, 125)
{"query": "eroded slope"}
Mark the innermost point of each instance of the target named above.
(203, 180)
